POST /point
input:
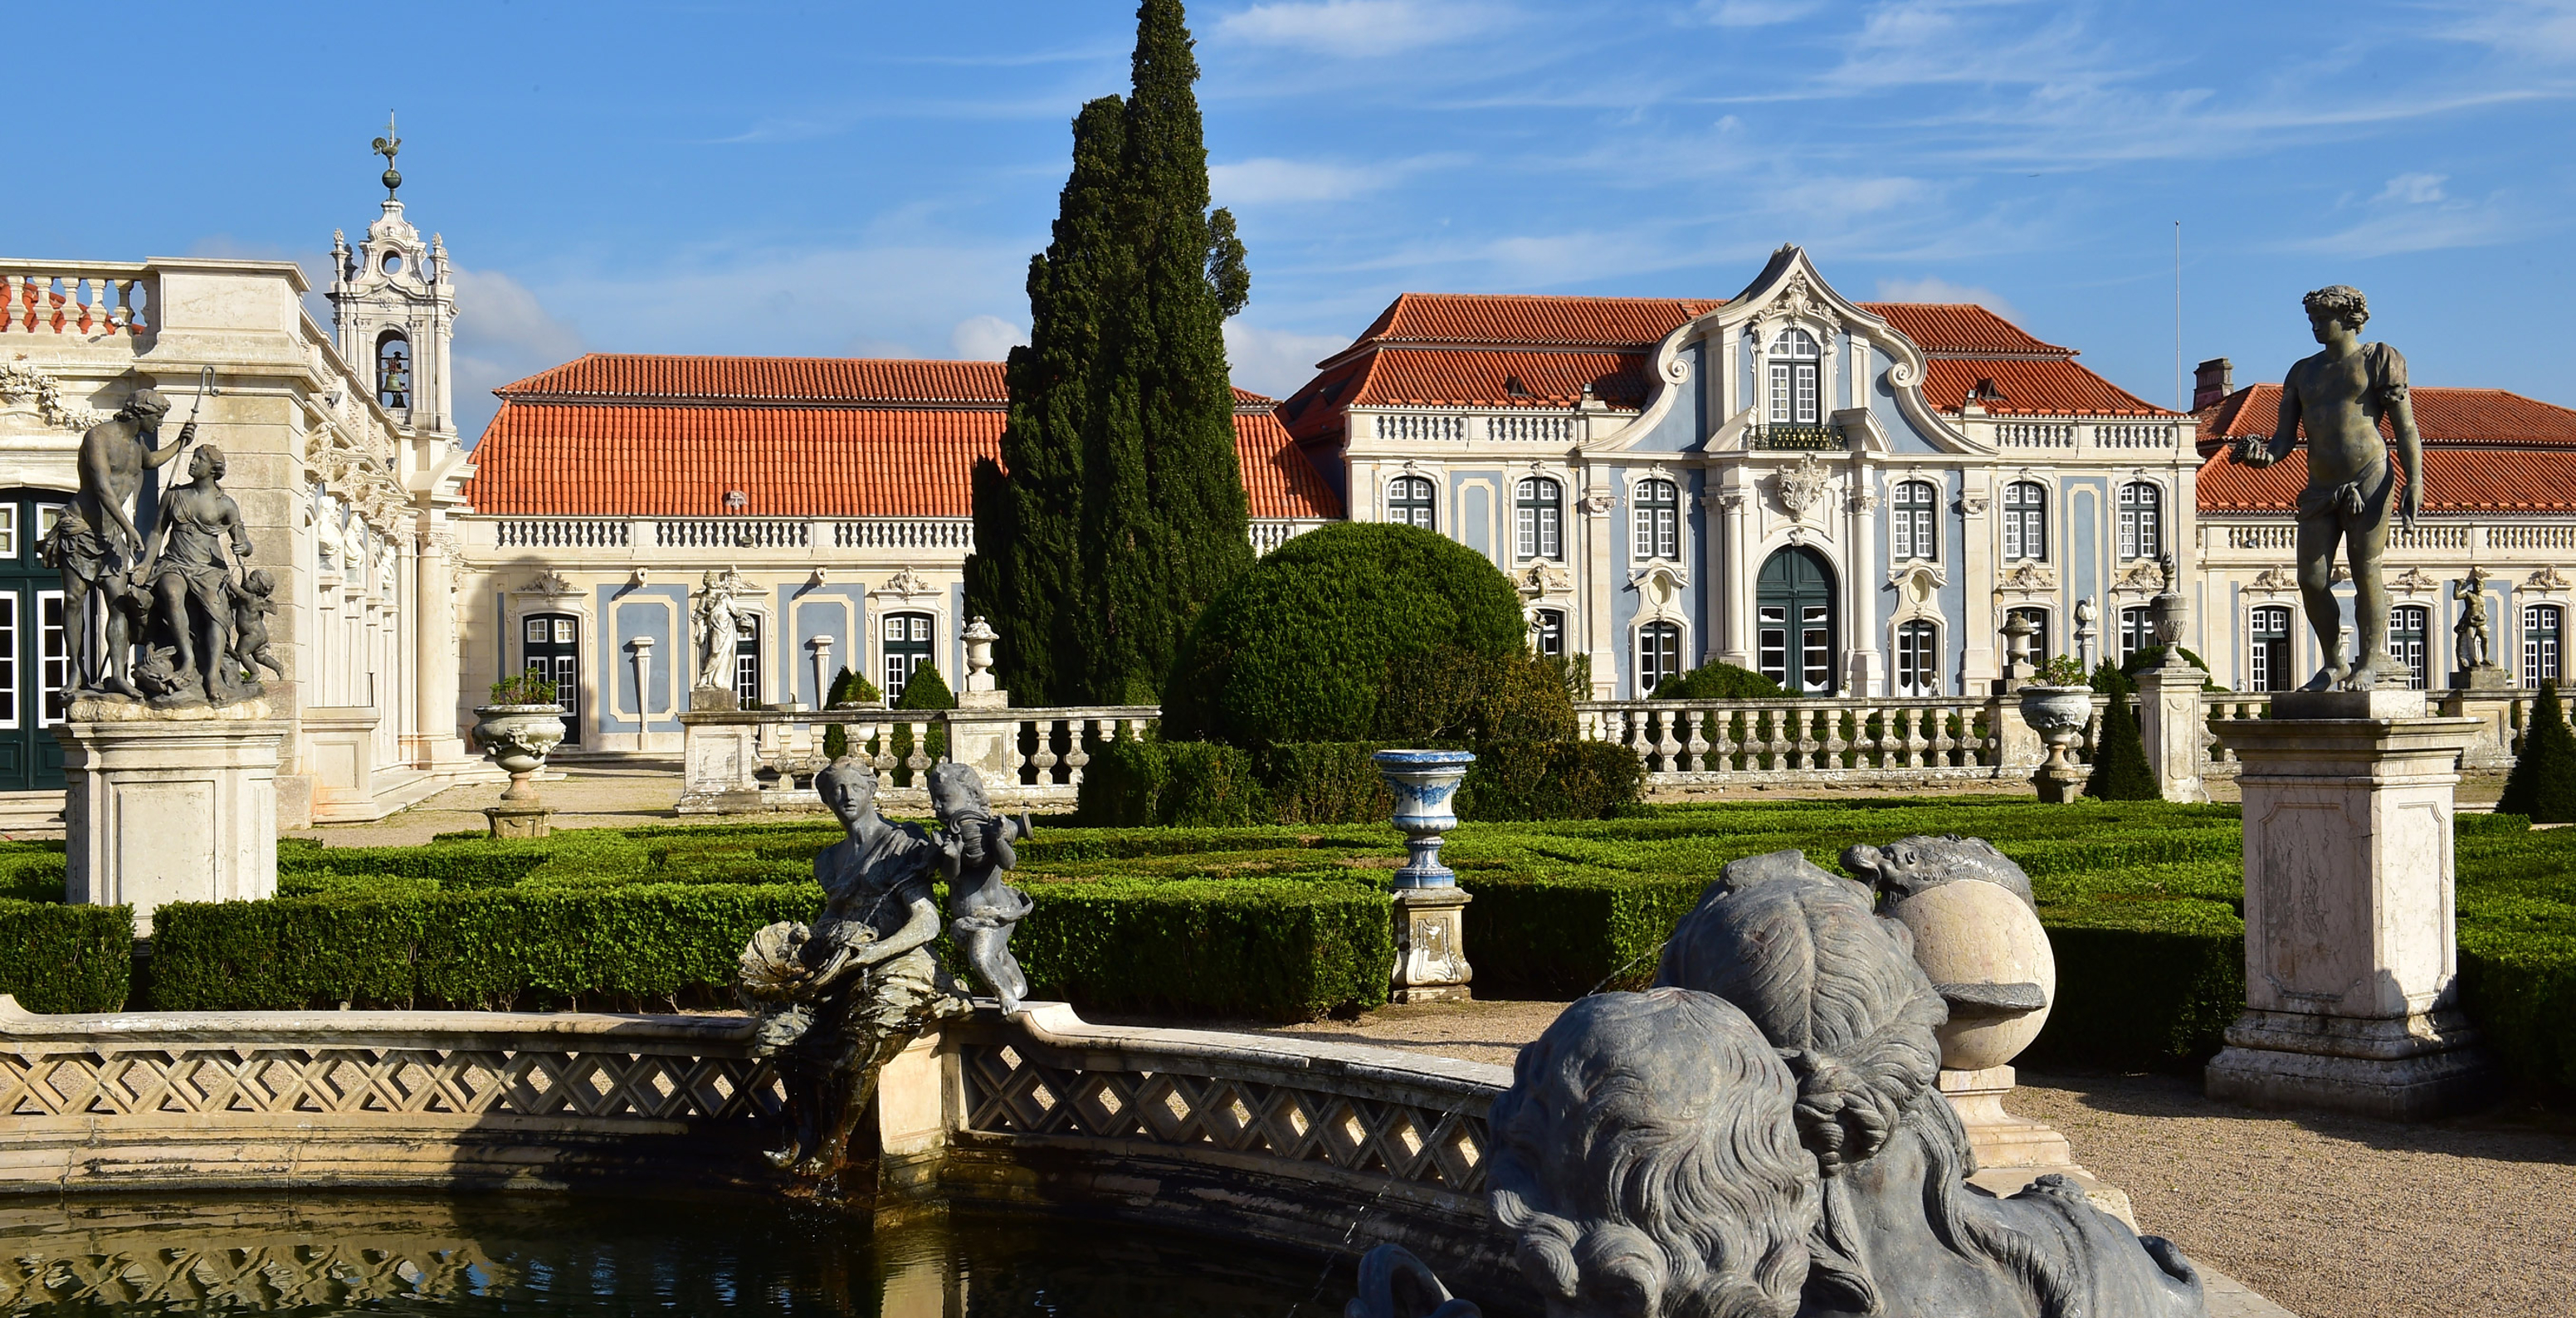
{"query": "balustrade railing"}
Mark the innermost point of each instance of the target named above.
(562, 533)
(2035, 434)
(1417, 425)
(1928, 738)
(1029, 757)
(2525, 537)
(1551, 429)
(732, 533)
(905, 533)
(76, 298)
(2134, 435)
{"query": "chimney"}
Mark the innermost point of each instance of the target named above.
(2211, 382)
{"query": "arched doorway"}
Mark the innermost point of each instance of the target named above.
(1797, 635)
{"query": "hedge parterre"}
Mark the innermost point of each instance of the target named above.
(2143, 901)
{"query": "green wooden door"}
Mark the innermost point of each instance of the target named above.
(1796, 633)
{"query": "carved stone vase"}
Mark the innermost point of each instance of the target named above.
(1430, 909)
(2057, 714)
(518, 738)
(1424, 783)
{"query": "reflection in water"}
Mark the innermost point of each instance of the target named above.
(547, 1254)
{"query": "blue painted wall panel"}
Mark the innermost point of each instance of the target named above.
(659, 612)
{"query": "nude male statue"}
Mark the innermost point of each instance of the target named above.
(2475, 643)
(190, 580)
(2341, 394)
(114, 455)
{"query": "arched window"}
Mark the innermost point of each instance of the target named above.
(1659, 654)
(1912, 532)
(746, 659)
(2025, 521)
(907, 648)
(1547, 632)
(2267, 636)
(1794, 362)
(1918, 658)
(2540, 623)
(1541, 506)
(1659, 520)
(2142, 520)
(1408, 502)
(550, 648)
(2407, 624)
(393, 369)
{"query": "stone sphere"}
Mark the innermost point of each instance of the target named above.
(1975, 932)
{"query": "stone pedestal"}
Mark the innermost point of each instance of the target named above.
(983, 732)
(2019, 749)
(2058, 784)
(164, 808)
(2350, 957)
(2171, 724)
(515, 820)
(2483, 677)
(2000, 1138)
(2491, 746)
(719, 755)
(1431, 946)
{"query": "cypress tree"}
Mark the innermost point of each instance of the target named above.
(1025, 575)
(2120, 771)
(2543, 782)
(1166, 524)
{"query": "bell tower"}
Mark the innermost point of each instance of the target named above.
(393, 306)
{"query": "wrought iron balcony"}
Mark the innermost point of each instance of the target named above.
(1783, 437)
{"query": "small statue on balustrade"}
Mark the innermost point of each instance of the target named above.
(2475, 642)
(974, 851)
(838, 1000)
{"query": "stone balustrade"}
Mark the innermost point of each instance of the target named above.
(85, 298)
(1687, 743)
(765, 759)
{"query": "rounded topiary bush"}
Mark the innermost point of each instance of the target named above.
(1305, 645)
(1716, 681)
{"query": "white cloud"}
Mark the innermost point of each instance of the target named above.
(2414, 189)
(1933, 288)
(1275, 362)
(1270, 179)
(503, 333)
(1361, 28)
(985, 338)
(1756, 13)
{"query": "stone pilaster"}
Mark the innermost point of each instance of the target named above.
(161, 808)
(2351, 962)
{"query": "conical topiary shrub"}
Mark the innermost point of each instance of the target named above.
(2120, 770)
(2543, 782)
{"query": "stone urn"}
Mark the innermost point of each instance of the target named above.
(1430, 928)
(518, 738)
(1424, 783)
(2057, 714)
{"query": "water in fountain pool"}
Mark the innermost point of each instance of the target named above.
(563, 1255)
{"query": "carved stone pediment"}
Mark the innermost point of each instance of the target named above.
(1543, 578)
(1917, 580)
(2547, 578)
(2028, 577)
(907, 583)
(1659, 586)
(2413, 581)
(2140, 578)
(2276, 579)
(550, 582)
(1801, 487)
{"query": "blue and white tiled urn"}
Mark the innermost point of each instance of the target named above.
(1424, 783)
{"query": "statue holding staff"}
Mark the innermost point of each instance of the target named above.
(191, 581)
(2341, 395)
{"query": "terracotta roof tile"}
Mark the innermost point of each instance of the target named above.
(1533, 321)
(1443, 377)
(1941, 328)
(2457, 480)
(899, 439)
(2055, 387)
(2442, 416)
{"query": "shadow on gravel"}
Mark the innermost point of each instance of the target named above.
(2530, 1125)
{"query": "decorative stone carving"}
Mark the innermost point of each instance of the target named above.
(2026, 576)
(2141, 578)
(2057, 714)
(906, 582)
(25, 388)
(518, 737)
(1973, 505)
(2276, 579)
(974, 852)
(1596, 503)
(550, 583)
(979, 637)
(2475, 644)
(2547, 578)
(838, 999)
(2414, 581)
(1542, 578)
(1801, 487)
(1430, 927)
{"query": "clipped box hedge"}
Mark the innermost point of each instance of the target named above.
(57, 958)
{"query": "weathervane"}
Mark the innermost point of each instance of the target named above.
(386, 146)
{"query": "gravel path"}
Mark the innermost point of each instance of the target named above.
(2332, 1217)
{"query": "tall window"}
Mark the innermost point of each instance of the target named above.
(746, 660)
(1659, 520)
(550, 648)
(2137, 631)
(1659, 654)
(1547, 632)
(1912, 532)
(2267, 636)
(2142, 520)
(2407, 624)
(1541, 504)
(1794, 360)
(2025, 520)
(53, 656)
(1408, 501)
(907, 648)
(2540, 644)
(1918, 659)
(393, 370)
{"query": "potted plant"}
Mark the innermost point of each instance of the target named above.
(521, 726)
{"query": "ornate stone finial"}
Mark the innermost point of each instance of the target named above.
(387, 146)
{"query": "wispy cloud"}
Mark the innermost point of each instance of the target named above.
(1355, 29)
(503, 332)
(1933, 288)
(1755, 13)
(2415, 213)
(1275, 362)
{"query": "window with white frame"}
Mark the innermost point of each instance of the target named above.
(2267, 637)
(1547, 632)
(1795, 382)
(1912, 532)
(1918, 658)
(2407, 624)
(2540, 627)
(2142, 520)
(1408, 502)
(746, 660)
(1540, 503)
(907, 648)
(2137, 631)
(1659, 654)
(53, 657)
(2025, 521)
(1659, 520)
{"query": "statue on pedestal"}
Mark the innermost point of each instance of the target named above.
(714, 625)
(838, 1000)
(2340, 396)
(2476, 643)
(192, 584)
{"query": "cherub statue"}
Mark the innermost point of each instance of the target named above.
(974, 851)
(251, 607)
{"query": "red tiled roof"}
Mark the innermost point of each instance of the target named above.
(1533, 321)
(601, 438)
(820, 381)
(2457, 480)
(2048, 386)
(2442, 416)
(1440, 377)
(1964, 328)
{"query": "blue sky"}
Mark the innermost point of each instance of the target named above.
(870, 179)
